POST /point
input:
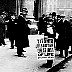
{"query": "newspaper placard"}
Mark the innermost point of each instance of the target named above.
(45, 49)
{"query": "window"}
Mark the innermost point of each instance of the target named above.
(50, 8)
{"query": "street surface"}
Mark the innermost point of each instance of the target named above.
(9, 62)
(67, 67)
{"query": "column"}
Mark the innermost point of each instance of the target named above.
(18, 7)
(42, 7)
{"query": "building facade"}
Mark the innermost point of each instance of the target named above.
(29, 4)
(61, 7)
(64, 7)
(51, 6)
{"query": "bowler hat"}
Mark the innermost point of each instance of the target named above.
(24, 9)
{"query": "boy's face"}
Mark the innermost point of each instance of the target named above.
(24, 13)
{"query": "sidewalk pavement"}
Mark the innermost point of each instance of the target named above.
(33, 43)
(59, 62)
(11, 63)
(21, 64)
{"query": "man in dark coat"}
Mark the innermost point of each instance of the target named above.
(22, 32)
(41, 25)
(59, 30)
(70, 36)
(11, 32)
(2, 32)
(66, 36)
(63, 39)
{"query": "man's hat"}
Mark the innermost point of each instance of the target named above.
(54, 14)
(43, 15)
(25, 9)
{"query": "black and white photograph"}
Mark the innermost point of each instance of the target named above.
(35, 36)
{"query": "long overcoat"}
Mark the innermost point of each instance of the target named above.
(22, 32)
(63, 39)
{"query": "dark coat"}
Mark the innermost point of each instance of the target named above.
(70, 34)
(42, 25)
(63, 39)
(22, 32)
(11, 30)
(2, 32)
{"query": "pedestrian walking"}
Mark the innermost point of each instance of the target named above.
(22, 32)
(2, 31)
(11, 32)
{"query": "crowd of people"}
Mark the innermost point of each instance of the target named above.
(52, 26)
(16, 29)
(57, 27)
